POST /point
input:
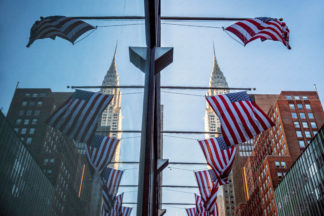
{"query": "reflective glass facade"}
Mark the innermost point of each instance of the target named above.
(301, 191)
(24, 189)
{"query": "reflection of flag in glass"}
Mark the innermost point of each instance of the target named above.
(241, 118)
(111, 179)
(265, 28)
(218, 155)
(191, 211)
(100, 151)
(77, 117)
(58, 26)
(126, 211)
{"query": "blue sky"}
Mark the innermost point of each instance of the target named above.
(267, 66)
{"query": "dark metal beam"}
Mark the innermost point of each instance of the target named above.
(184, 18)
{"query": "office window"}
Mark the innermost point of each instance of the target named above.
(302, 115)
(29, 140)
(21, 112)
(291, 106)
(26, 122)
(301, 143)
(310, 115)
(32, 103)
(29, 112)
(308, 106)
(35, 95)
(305, 98)
(296, 124)
(31, 130)
(39, 103)
(283, 164)
(299, 134)
(305, 125)
(279, 174)
(277, 164)
(24, 103)
(23, 131)
(300, 106)
(42, 94)
(36, 113)
(34, 121)
(315, 132)
(296, 97)
(16, 129)
(308, 134)
(52, 160)
(288, 97)
(27, 95)
(18, 121)
(313, 125)
(293, 115)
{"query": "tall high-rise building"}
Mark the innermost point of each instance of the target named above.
(110, 120)
(24, 188)
(297, 116)
(225, 197)
(57, 155)
(244, 150)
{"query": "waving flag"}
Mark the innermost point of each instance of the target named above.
(205, 184)
(199, 205)
(126, 211)
(58, 26)
(104, 212)
(218, 155)
(100, 151)
(191, 211)
(264, 28)
(213, 177)
(201, 210)
(111, 179)
(241, 118)
(77, 117)
(108, 199)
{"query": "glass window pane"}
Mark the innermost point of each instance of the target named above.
(305, 125)
(296, 124)
(308, 106)
(302, 115)
(296, 97)
(313, 124)
(293, 115)
(292, 106)
(300, 106)
(310, 116)
(301, 143)
(299, 134)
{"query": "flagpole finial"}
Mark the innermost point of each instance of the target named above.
(281, 19)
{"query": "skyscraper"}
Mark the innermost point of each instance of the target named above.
(297, 116)
(57, 155)
(111, 120)
(225, 199)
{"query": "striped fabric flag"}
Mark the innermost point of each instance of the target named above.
(264, 28)
(111, 179)
(191, 211)
(241, 118)
(58, 26)
(218, 155)
(222, 181)
(108, 199)
(104, 212)
(126, 211)
(205, 184)
(100, 151)
(210, 203)
(77, 117)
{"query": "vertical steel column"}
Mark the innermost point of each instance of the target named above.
(146, 180)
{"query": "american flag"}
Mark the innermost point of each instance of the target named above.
(126, 211)
(213, 177)
(111, 179)
(108, 199)
(264, 28)
(201, 210)
(218, 155)
(100, 151)
(191, 211)
(205, 183)
(210, 204)
(104, 212)
(58, 26)
(241, 118)
(199, 204)
(77, 117)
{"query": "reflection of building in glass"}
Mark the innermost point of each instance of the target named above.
(301, 191)
(111, 120)
(297, 116)
(225, 199)
(24, 188)
(57, 155)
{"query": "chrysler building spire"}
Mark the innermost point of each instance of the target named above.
(217, 78)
